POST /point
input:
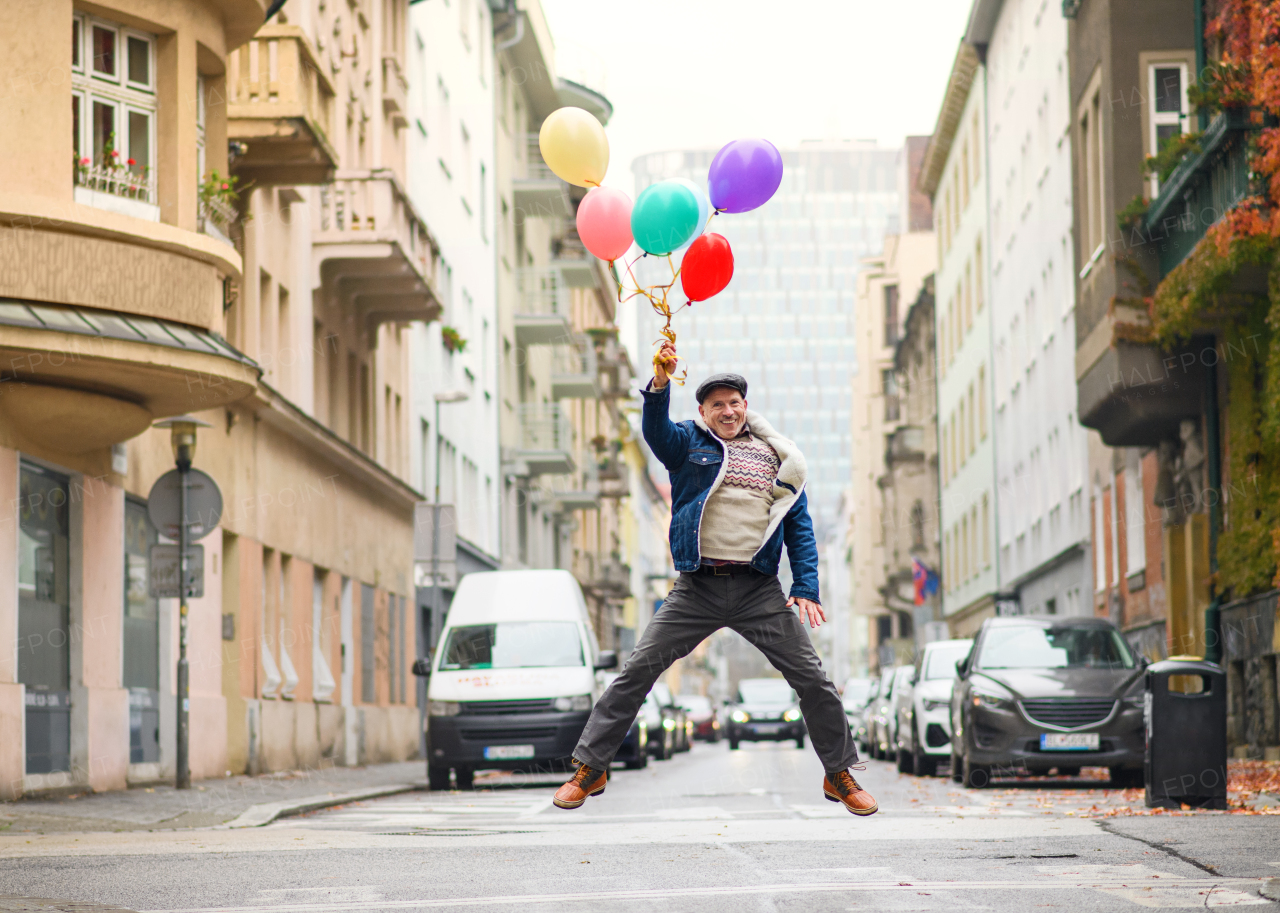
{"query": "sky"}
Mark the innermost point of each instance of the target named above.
(698, 73)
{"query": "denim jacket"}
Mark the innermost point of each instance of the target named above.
(695, 458)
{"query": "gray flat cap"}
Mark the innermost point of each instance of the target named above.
(736, 381)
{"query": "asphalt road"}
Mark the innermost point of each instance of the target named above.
(712, 830)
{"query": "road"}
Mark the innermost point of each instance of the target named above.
(712, 830)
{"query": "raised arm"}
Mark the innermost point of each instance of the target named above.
(665, 438)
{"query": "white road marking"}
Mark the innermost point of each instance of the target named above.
(1179, 895)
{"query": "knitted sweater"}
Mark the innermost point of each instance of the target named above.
(736, 514)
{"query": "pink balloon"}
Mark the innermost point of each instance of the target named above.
(604, 222)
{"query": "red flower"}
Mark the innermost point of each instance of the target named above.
(84, 161)
(115, 154)
(131, 162)
(226, 187)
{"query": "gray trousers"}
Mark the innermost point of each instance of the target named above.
(698, 606)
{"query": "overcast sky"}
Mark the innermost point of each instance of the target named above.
(698, 73)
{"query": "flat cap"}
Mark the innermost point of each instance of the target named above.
(736, 381)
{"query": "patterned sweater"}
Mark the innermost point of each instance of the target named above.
(736, 515)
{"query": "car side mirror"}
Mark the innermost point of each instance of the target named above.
(962, 667)
(915, 676)
(606, 659)
(422, 668)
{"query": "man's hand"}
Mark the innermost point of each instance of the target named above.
(808, 608)
(664, 365)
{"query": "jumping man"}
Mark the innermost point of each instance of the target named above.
(737, 495)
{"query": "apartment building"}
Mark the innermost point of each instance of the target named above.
(1043, 523)
(955, 176)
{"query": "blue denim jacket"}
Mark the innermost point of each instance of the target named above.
(693, 456)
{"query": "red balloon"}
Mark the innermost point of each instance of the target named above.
(707, 267)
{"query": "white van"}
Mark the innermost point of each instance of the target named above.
(513, 678)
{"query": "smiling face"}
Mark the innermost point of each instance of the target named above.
(725, 412)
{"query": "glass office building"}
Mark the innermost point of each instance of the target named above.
(786, 320)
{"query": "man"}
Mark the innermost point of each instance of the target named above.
(737, 495)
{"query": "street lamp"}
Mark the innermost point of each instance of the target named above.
(182, 435)
(449, 396)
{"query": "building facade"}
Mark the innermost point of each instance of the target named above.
(1042, 526)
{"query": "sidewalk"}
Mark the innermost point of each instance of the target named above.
(207, 803)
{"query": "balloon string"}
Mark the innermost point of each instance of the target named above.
(657, 297)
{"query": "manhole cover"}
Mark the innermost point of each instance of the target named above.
(11, 904)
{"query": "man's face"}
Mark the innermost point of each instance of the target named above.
(725, 412)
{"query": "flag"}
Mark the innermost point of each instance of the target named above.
(924, 580)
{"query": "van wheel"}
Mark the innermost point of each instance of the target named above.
(437, 777)
(465, 777)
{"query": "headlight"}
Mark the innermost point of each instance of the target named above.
(668, 724)
(931, 705)
(577, 702)
(989, 694)
(739, 716)
(443, 708)
(792, 715)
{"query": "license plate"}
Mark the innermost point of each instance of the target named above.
(1069, 741)
(766, 728)
(507, 752)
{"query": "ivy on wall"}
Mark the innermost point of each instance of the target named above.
(1202, 294)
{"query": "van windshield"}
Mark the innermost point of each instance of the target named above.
(513, 645)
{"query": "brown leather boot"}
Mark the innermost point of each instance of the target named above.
(587, 781)
(847, 791)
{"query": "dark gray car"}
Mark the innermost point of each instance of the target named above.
(1037, 695)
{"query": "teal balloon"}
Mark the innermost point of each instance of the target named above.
(664, 217)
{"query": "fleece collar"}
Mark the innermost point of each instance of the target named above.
(793, 471)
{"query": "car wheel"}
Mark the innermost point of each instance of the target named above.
(976, 776)
(465, 777)
(906, 763)
(925, 765)
(1127, 778)
(800, 741)
(640, 763)
(957, 770)
(733, 744)
(437, 777)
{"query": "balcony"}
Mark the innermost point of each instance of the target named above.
(574, 374)
(1201, 189)
(578, 490)
(611, 470)
(280, 106)
(571, 257)
(1136, 395)
(373, 251)
(904, 445)
(612, 362)
(609, 577)
(395, 92)
(545, 444)
(544, 308)
(117, 188)
(538, 193)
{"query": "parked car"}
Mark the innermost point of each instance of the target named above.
(515, 678)
(861, 723)
(672, 707)
(703, 715)
(634, 750)
(662, 727)
(924, 708)
(899, 698)
(877, 712)
(854, 696)
(766, 710)
(1039, 694)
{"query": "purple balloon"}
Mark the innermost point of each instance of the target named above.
(744, 175)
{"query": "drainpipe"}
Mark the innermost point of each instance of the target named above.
(1213, 614)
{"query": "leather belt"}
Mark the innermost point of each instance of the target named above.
(725, 570)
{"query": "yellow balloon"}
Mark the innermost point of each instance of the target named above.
(574, 146)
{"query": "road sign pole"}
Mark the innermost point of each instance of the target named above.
(183, 780)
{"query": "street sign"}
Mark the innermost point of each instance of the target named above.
(162, 581)
(204, 504)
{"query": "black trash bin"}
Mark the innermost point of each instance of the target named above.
(1186, 718)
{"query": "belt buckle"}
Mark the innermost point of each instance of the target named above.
(721, 570)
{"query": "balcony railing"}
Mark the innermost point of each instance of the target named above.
(545, 445)
(574, 374)
(577, 490)
(1201, 189)
(216, 218)
(538, 193)
(372, 244)
(544, 308)
(117, 180)
(280, 104)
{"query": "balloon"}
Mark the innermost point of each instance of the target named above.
(704, 211)
(574, 146)
(707, 267)
(744, 175)
(665, 216)
(604, 222)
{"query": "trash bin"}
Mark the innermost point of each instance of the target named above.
(1185, 711)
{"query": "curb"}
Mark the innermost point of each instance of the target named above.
(266, 812)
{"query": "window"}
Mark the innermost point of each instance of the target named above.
(986, 530)
(889, 385)
(443, 125)
(968, 296)
(977, 167)
(465, 165)
(1135, 528)
(946, 561)
(963, 442)
(1167, 83)
(113, 111)
(964, 176)
(484, 204)
(1091, 159)
(982, 402)
(973, 438)
(977, 277)
(973, 540)
(890, 315)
